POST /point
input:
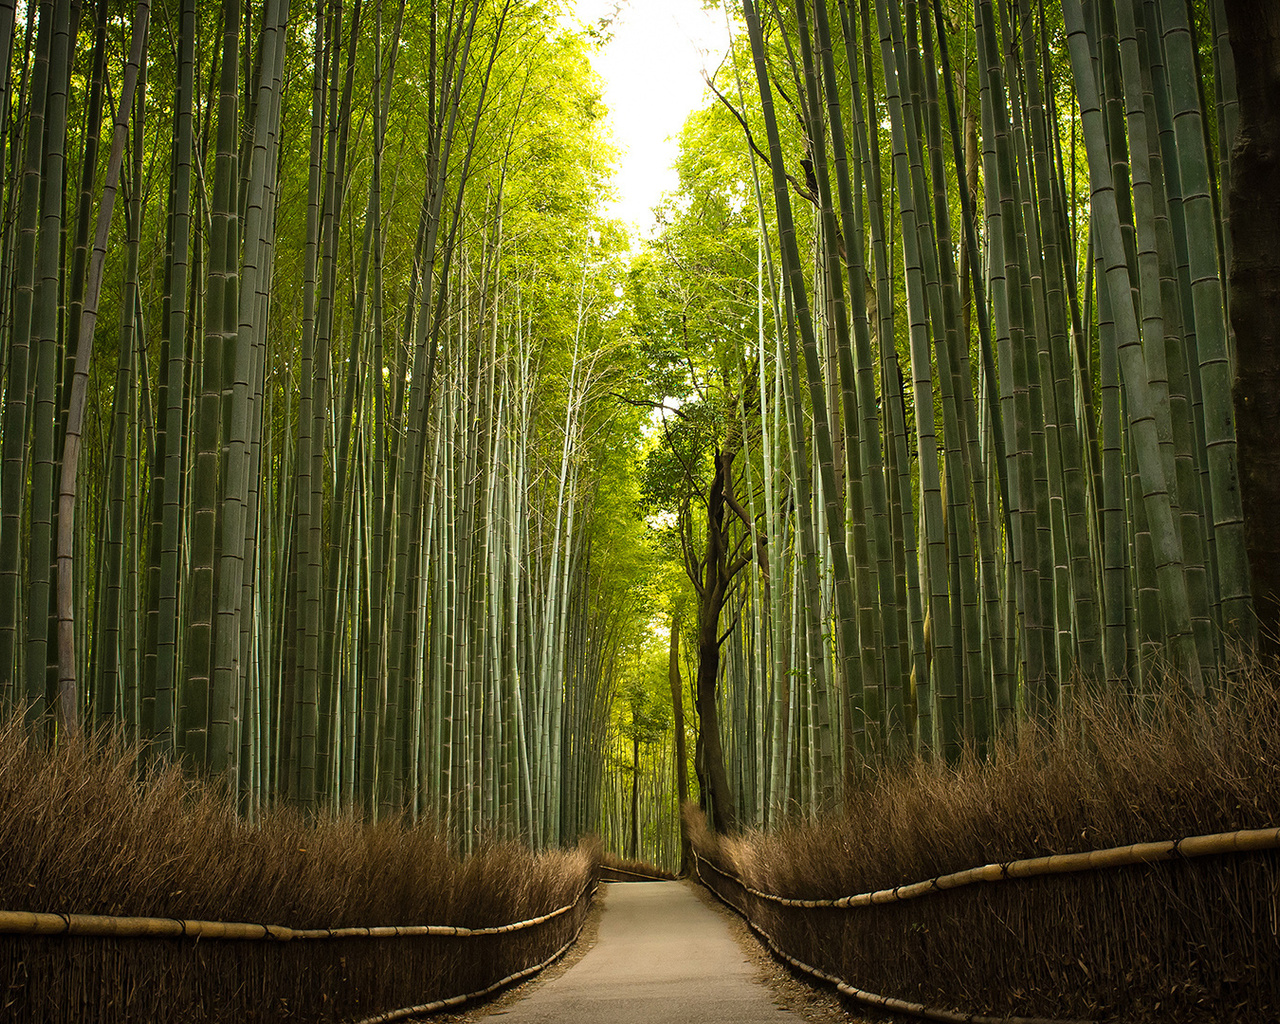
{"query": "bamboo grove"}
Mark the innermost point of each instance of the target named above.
(332, 408)
(965, 451)
(306, 340)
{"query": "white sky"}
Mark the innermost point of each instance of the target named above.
(652, 73)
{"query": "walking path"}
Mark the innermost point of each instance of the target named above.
(662, 956)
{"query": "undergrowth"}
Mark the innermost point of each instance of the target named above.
(1186, 941)
(81, 831)
(1107, 775)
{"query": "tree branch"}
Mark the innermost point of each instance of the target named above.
(801, 190)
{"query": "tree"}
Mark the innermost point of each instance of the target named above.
(681, 755)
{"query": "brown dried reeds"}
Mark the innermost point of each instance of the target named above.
(1187, 940)
(83, 832)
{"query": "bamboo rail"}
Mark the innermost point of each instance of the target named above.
(1244, 841)
(21, 922)
(636, 874)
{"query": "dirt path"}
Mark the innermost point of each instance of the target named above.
(661, 955)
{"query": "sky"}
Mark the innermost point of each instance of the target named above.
(652, 72)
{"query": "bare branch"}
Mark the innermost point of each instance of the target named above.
(801, 190)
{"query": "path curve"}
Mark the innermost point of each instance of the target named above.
(661, 956)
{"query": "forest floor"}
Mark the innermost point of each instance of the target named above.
(700, 962)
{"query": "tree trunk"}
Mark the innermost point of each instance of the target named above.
(1255, 296)
(677, 713)
(711, 598)
(714, 778)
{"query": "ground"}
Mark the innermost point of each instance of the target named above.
(803, 1001)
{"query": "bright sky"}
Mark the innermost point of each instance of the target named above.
(652, 72)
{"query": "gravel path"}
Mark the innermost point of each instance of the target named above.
(663, 954)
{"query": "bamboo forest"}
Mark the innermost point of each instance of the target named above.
(356, 463)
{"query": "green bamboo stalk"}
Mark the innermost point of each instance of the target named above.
(912, 206)
(108, 689)
(911, 617)
(206, 484)
(868, 715)
(175, 333)
(1156, 303)
(340, 517)
(833, 514)
(1210, 328)
(1168, 553)
(246, 290)
(18, 393)
(68, 697)
(40, 653)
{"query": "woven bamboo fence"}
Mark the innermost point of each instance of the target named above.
(78, 967)
(1180, 931)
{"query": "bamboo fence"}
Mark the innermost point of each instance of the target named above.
(18, 922)
(1128, 956)
(58, 967)
(444, 1004)
(631, 876)
(1243, 841)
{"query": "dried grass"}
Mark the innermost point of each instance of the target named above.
(1184, 941)
(80, 832)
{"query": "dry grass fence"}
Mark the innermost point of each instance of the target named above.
(161, 862)
(1169, 936)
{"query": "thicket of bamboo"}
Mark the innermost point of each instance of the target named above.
(305, 344)
(1183, 939)
(974, 431)
(310, 453)
(81, 834)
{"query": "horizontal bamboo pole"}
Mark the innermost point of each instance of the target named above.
(1245, 841)
(858, 994)
(636, 874)
(21, 922)
(510, 979)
